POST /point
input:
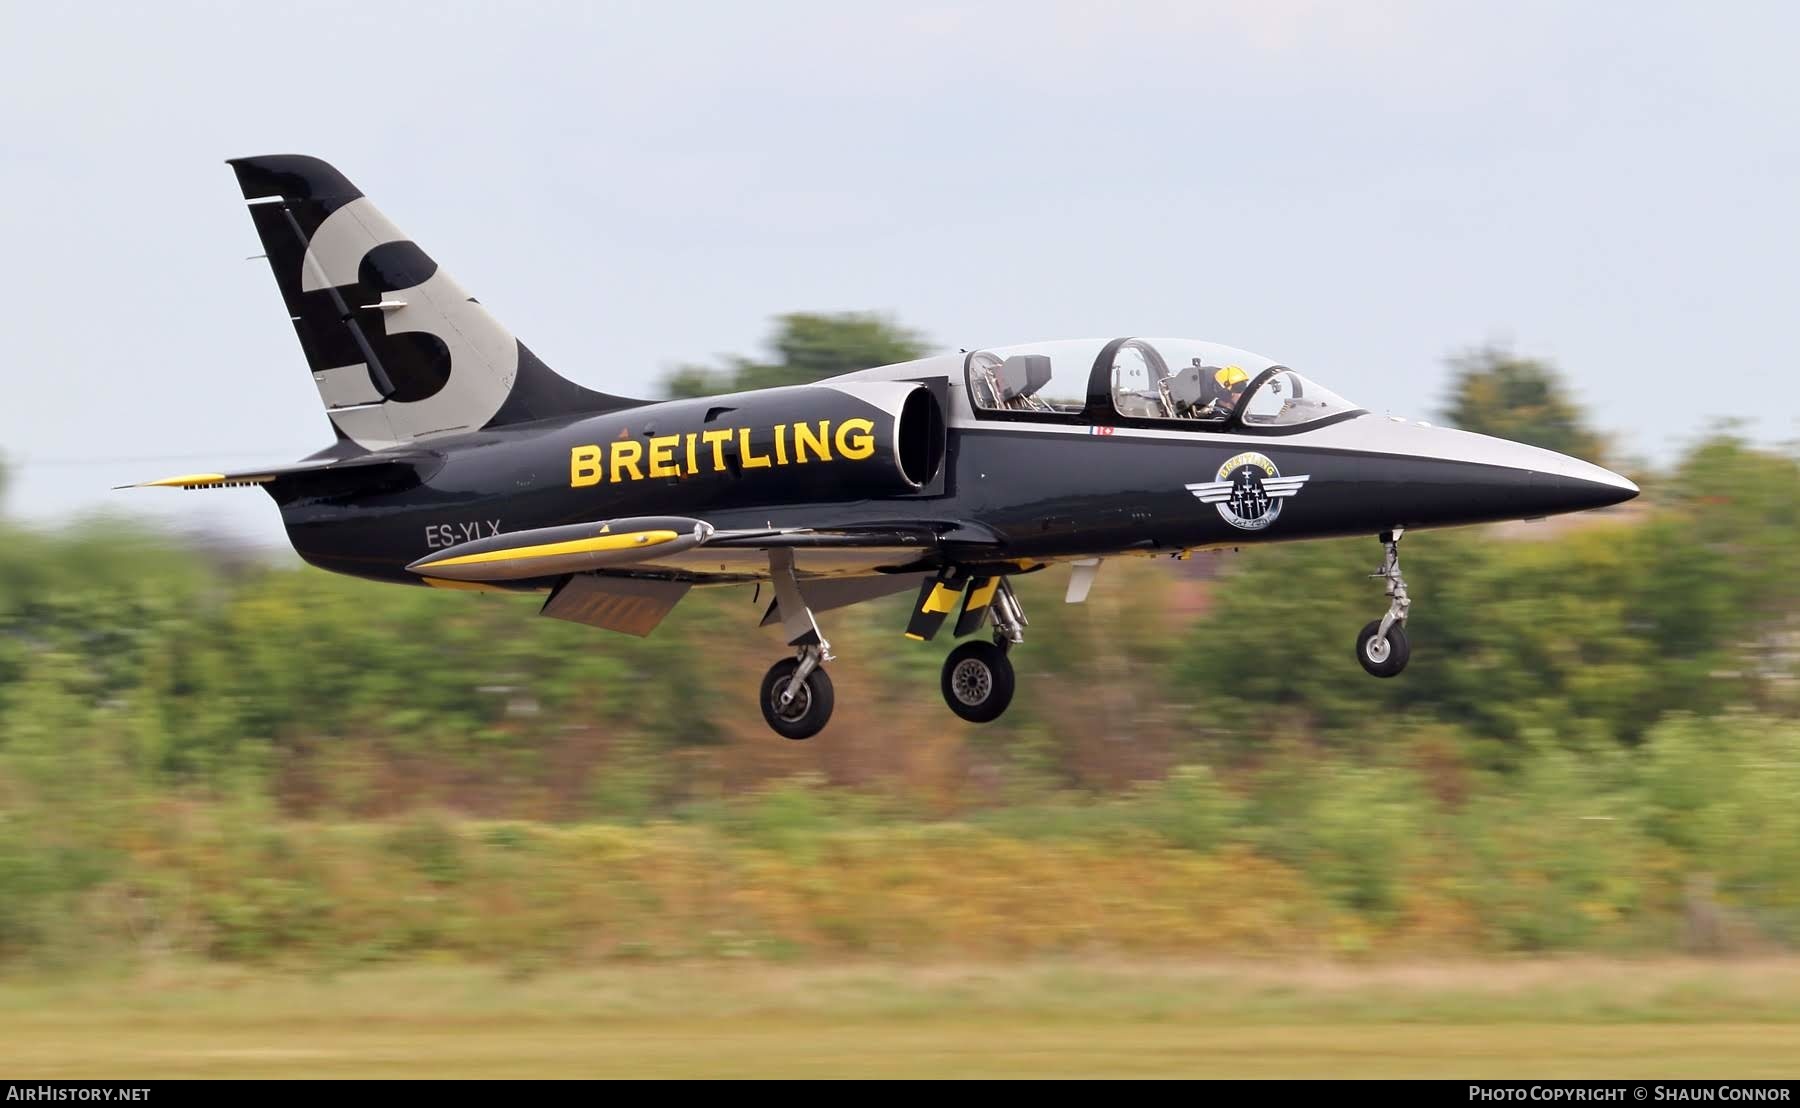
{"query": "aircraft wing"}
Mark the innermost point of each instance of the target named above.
(627, 574)
(678, 546)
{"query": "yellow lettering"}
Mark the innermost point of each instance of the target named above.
(717, 440)
(855, 445)
(751, 461)
(781, 444)
(820, 443)
(584, 466)
(662, 456)
(625, 456)
(692, 468)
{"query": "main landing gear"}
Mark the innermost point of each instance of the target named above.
(1381, 648)
(978, 676)
(796, 695)
(796, 692)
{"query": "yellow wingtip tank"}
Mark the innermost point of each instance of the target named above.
(554, 551)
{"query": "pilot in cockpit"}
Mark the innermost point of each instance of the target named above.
(1205, 392)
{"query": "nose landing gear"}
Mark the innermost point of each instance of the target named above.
(1381, 648)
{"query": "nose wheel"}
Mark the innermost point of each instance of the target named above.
(1381, 648)
(1382, 655)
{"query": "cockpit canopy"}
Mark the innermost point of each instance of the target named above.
(1183, 381)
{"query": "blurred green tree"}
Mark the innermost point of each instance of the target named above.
(1496, 392)
(809, 346)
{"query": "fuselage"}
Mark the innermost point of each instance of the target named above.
(1047, 489)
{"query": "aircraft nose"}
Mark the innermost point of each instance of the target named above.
(1557, 483)
(1567, 492)
(1461, 477)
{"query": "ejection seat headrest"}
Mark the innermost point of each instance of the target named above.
(1023, 375)
(1184, 385)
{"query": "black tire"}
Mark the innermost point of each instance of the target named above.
(806, 714)
(978, 681)
(1386, 660)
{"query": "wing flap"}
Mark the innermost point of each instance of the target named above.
(629, 605)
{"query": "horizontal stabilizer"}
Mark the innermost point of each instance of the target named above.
(203, 481)
(367, 464)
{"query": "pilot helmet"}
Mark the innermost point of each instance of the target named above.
(1231, 378)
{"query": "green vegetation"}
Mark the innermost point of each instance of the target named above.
(1496, 392)
(809, 346)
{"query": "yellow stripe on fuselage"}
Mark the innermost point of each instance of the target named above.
(550, 550)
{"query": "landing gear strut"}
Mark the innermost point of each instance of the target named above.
(796, 692)
(978, 676)
(1381, 648)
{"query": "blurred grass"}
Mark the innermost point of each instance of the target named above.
(1537, 1018)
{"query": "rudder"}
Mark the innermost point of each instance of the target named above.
(399, 351)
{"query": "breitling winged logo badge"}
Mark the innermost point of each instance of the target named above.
(1248, 491)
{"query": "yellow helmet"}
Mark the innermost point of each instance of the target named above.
(1231, 375)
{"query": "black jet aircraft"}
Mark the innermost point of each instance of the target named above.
(463, 462)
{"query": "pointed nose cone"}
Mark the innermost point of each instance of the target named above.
(1424, 476)
(1592, 487)
(1542, 482)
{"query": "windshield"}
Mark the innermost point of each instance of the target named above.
(1287, 399)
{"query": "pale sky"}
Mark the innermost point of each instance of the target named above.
(1357, 190)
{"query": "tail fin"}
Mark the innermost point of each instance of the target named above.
(399, 351)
